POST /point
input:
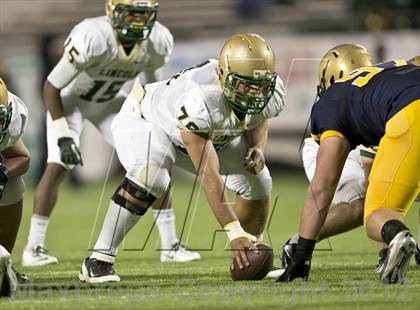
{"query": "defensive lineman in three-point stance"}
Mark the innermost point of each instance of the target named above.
(14, 162)
(370, 106)
(208, 117)
(349, 197)
(100, 55)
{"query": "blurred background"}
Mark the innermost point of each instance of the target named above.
(32, 33)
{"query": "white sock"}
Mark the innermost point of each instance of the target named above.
(165, 222)
(38, 230)
(118, 221)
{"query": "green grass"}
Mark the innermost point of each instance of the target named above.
(341, 278)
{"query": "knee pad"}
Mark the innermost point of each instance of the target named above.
(133, 197)
(153, 178)
(13, 192)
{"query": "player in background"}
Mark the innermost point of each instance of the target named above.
(13, 165)
(370, 106)
(100, 55)
(211, 120)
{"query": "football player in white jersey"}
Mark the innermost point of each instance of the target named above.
(100, 55)
(211, 120)
(349, 197)
(14, 162)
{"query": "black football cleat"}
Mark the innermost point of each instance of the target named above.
(417, 255)
(8, 281)
(96, 271)
(381, 260)
(21, 277)
(401, 248)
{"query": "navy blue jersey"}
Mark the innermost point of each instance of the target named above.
(359, 105)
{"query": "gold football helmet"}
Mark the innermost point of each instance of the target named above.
(246, 72)
(133, 20)
(339, 61)
(5, 110)
(415, 60)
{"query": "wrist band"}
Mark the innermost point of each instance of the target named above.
(61, 128)
(234, 230)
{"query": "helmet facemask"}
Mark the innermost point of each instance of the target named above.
(133, 23)
(249, 95)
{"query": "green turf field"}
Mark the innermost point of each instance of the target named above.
(341, 278)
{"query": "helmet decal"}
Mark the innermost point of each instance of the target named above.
(340, 61)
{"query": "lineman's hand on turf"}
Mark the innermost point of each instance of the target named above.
(296, 269)
(69, 152)
(239, 247)
(254, 160)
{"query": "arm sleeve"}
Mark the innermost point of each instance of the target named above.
(63, 73)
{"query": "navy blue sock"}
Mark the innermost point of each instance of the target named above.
(390, 229)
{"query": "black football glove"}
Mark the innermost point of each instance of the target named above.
(69, 152)
(296, 269)
(3, 178)
(300, 264)
(287, 252)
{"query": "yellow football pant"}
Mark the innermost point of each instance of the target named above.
(394, 180)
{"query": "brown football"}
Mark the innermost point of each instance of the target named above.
(260, 264)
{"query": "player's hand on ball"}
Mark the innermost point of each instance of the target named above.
(69, 152)
(254, 160)
(238, 247)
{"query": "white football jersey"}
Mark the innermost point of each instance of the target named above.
(102, 63)
(193, 100)
(17, 123)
